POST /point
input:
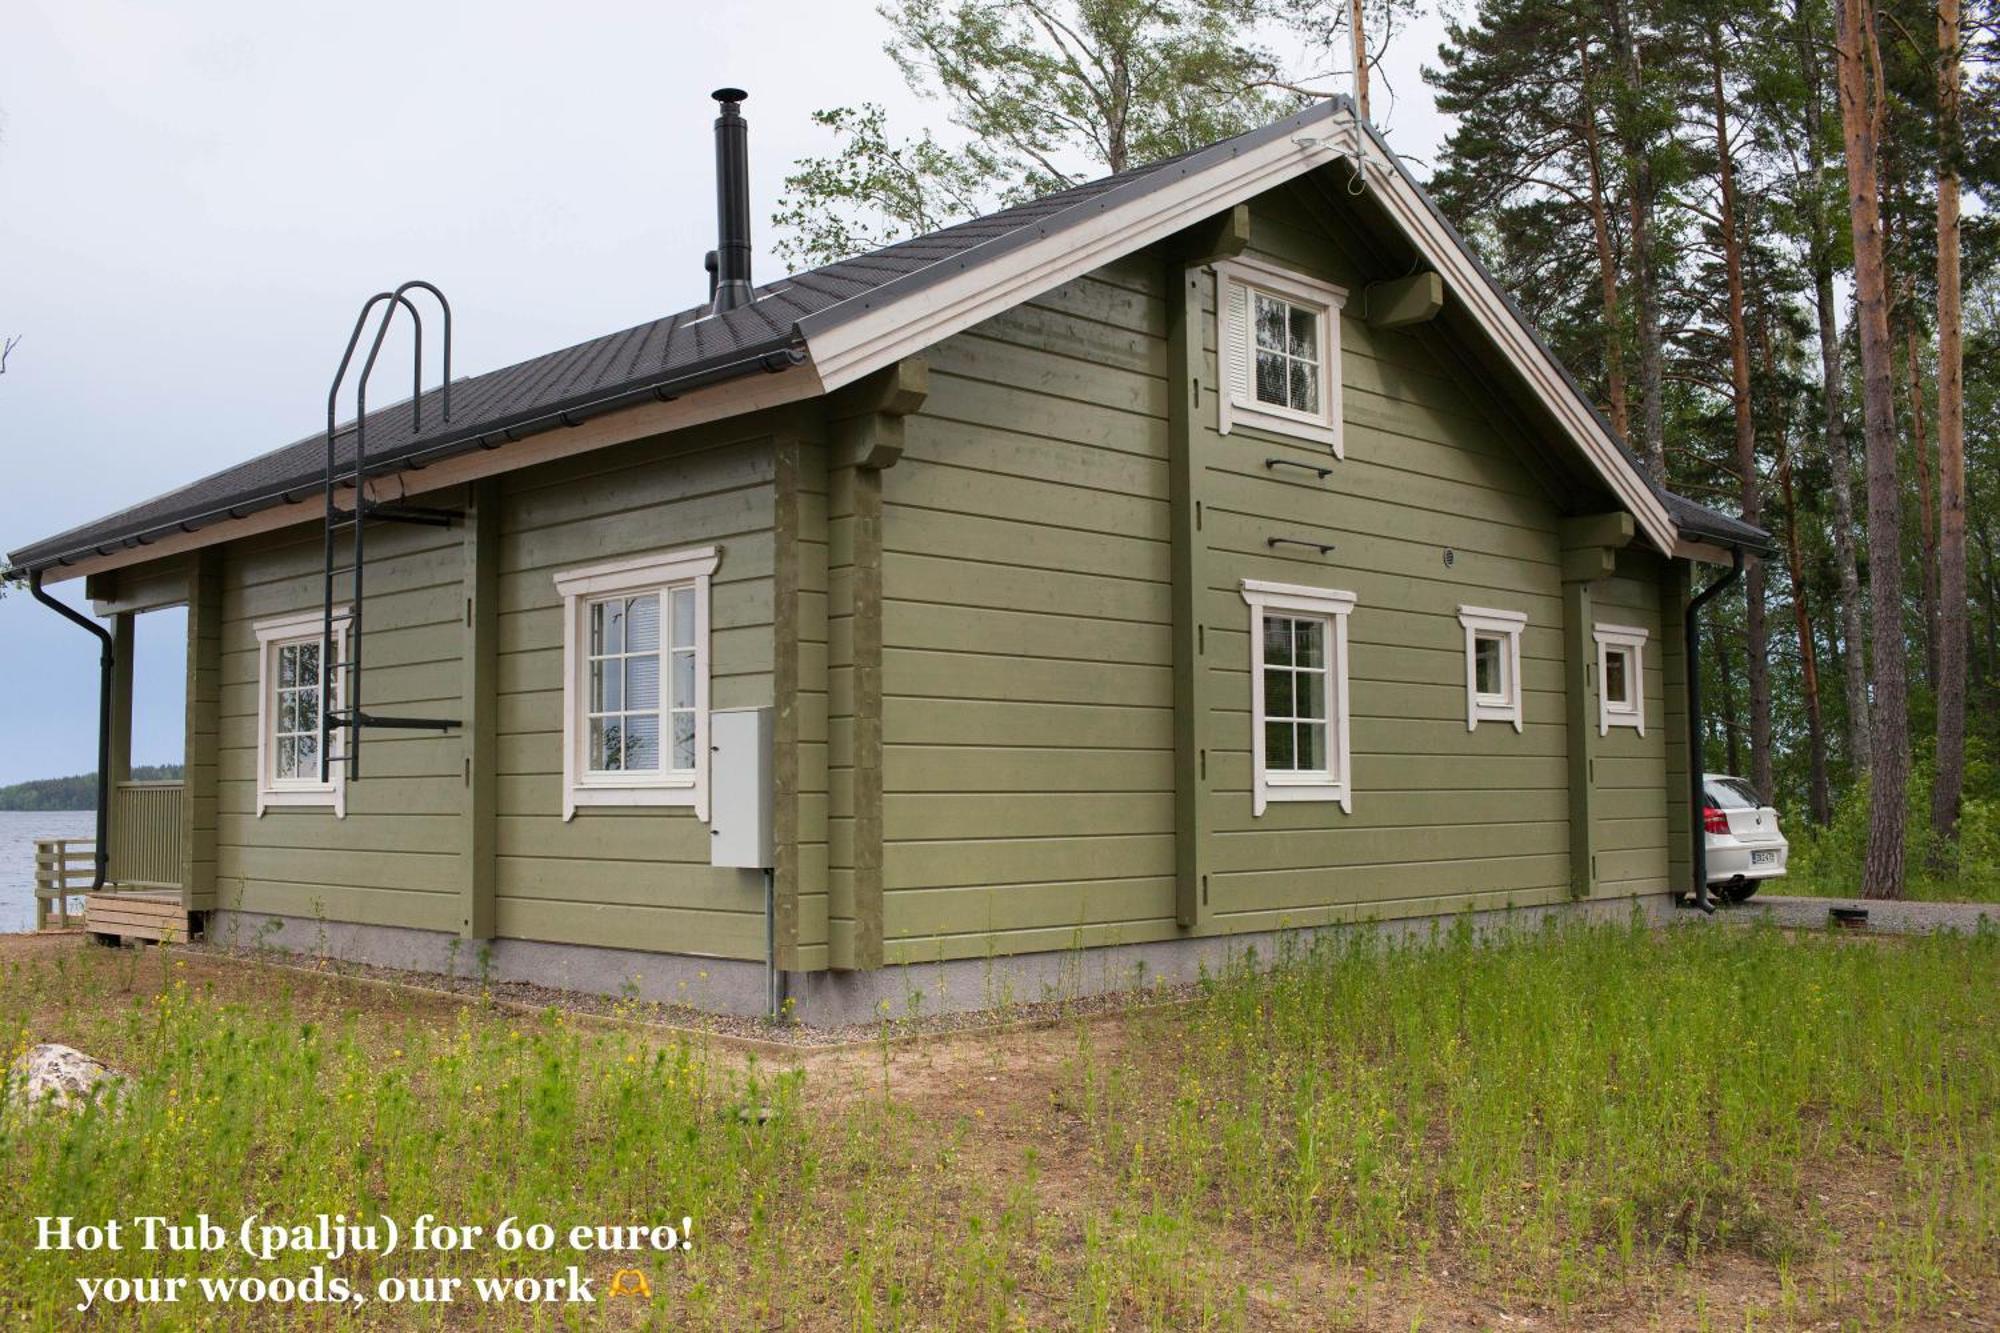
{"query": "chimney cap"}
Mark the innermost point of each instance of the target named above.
(728, 95)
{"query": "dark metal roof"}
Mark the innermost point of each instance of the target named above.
(1700, 523)
(670, 356)
(652, 361)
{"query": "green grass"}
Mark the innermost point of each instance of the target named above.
(1572, 1108)
(1574, 1120)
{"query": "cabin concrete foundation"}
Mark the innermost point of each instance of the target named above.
(832, 999)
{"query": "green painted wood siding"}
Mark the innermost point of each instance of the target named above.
(1027, 668)
(392, 860)
(1444, 818)
(1024, 599)
(1028, 657)
(634, 878)
(1631, 788)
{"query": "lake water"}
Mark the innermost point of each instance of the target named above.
(18, 831)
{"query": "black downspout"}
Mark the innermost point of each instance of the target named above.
(1698, 833)
(106, 662)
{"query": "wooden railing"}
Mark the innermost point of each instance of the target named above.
(146, 835)
(64, 868)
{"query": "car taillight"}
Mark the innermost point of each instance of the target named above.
(1713, 820)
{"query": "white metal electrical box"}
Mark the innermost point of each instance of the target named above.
(739, 775)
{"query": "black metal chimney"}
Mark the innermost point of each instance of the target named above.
(732, 202)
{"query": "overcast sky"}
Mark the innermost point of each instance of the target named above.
(194, 199)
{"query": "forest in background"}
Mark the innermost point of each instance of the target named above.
(1754, 230)
(75, 793)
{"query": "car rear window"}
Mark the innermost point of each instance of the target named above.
(1732, 794)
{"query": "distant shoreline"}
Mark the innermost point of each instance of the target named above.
(78, 792)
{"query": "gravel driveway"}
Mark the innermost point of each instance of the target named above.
(1900, 918)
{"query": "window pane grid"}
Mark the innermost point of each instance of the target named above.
(623, 712)
(1295, 695)
(295, 726)
(629, 701)
(1287, 352)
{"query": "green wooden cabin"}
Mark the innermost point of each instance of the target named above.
(1198, 555)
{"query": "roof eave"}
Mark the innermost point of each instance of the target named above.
(86, 544)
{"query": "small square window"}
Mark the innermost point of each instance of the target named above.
(1621, 678)
(1492, 665)
(1278, 351)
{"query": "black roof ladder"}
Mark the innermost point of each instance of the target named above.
(340, 701)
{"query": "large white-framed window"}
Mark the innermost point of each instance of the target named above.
(292, 657)
(1621, 678)
(1279, 351)
(1492, 665)
(635, 681)
(1298, 694)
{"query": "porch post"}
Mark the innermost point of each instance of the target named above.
(118, 768)
(121, 702)
(201, 773)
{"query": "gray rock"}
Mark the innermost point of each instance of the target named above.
(60, 1076)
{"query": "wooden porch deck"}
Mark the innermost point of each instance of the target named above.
(137, 914)
(142, 899)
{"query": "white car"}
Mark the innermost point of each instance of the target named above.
(1745, 847)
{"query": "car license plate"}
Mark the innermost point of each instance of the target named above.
(1763, 858)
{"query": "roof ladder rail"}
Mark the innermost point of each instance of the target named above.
(340, 709)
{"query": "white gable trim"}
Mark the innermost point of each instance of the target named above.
(897, 328)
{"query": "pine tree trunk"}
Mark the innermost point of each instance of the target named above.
(1946, 795)
(1757, 647)
(1732, 729)
(1639, 172)
(1818, 786)
(1819, 789)
(1927, 542)
(1607, 256)
(1990, 586)
(1860, 117)
(1840, 460)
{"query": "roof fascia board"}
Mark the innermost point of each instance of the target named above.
(697, 407)
(1687, 548)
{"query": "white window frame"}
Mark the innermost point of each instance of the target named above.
(1236, 359)
(1624, 639)
(1483, 622)
(273, 791)
(579, 588)
(1331, 606)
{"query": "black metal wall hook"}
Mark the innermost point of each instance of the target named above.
(1324, 548)
(1321, 472)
